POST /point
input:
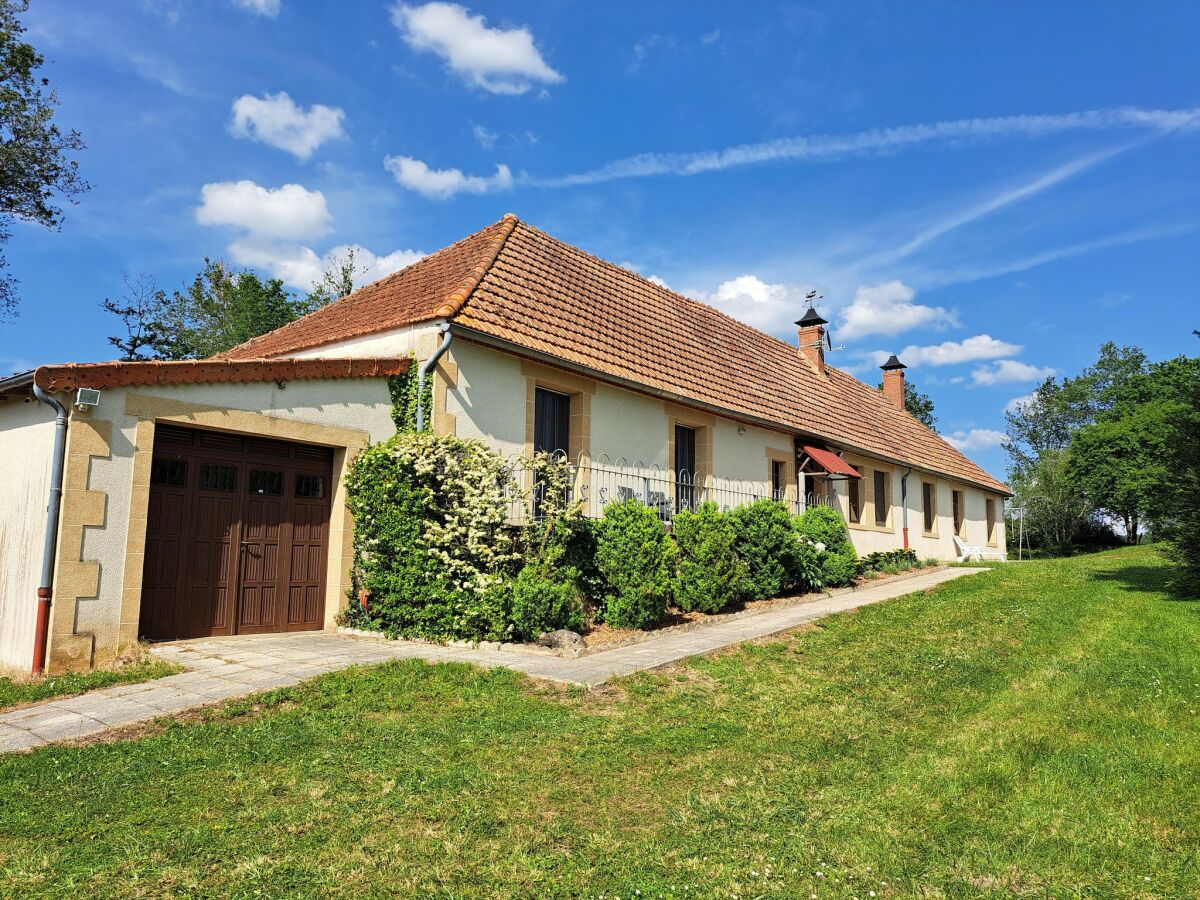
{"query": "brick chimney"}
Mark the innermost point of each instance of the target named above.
(812, 339)
(893, 380)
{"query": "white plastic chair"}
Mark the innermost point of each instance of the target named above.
(966, 552)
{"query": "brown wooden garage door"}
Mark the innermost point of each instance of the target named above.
(236, 537)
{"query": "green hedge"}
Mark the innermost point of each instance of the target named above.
(435, 553)
(823, 527)
(709, 573)
(636, 559)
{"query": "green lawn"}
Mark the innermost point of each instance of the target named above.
(16, 693)
(1031, 730)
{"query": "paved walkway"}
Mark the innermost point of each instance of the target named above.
(224, 668)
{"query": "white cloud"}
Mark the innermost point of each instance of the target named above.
(298, 266)
(1017, 402)
(975, 438)
(710, 37)
(486, 138)
(290, 212)
(827, 147)
(1009, 371)
(266, 8)
(751, 300)
(499, 60)
(442, 184)
(277, 120)
(275, 225)
(887, 308)
(948, 353)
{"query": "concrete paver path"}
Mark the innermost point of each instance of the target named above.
(224, 668)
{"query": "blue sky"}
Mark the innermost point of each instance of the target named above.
(990, 190)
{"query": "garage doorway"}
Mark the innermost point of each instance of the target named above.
(236, 537)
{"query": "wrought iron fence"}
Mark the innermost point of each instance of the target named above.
(598, 482)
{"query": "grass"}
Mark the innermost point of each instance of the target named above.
(1032, 730)
(21, 691)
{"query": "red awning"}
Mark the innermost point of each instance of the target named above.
(831, 462)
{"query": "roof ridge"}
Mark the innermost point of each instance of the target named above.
(456, 298)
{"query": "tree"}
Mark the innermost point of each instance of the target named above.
(141, 311)
(1118, 463)
(919, 405)
(35, 164)
(221, 309)
(336, 282)
(1054, 509)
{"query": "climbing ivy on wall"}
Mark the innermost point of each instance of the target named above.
(403, 390)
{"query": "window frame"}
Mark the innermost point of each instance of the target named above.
(989, 504)
(959, 510)
(881, 484)
(854, 504)
(929, 520)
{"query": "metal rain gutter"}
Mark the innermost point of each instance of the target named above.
(45, 584)
(426, 368)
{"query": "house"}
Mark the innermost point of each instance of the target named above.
(202, 498)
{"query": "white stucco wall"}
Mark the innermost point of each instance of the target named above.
(359, 403)
(398, 342)
(939, 545)
(26, 445)
(489, 403)
(489, 399)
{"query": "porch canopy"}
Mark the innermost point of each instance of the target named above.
(831, 462)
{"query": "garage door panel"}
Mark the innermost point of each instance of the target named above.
(236, 535)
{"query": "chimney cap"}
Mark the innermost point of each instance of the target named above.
(893, 363)
(812, 317)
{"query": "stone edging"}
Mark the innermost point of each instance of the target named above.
(643, 637)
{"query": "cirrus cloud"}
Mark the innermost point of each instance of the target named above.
(277, 120)
(499, 60)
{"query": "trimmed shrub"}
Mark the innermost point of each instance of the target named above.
(766, 542)
(889, 561)
(807, 573)
(636, 559)
(823, 526)
(709, 574)
(544, 598)
(430, 538)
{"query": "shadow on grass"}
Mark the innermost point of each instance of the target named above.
(1162, 579)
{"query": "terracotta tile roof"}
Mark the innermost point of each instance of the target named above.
(207, 371)
(517, 284)
(431, 288)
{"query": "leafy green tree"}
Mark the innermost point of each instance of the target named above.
(336, 282)
(1055, 510)
(221, 309)
(35, 164)
(919, 405)
(1119, 462)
